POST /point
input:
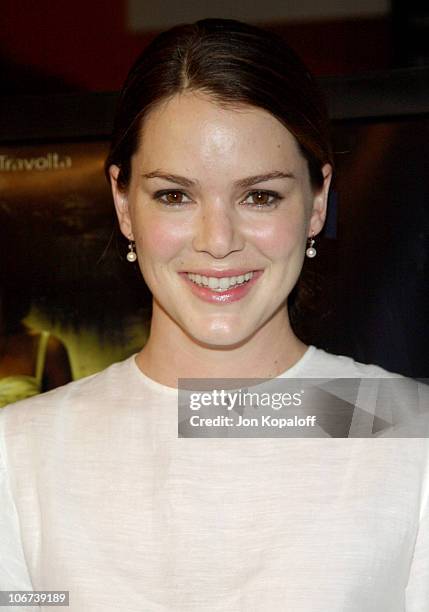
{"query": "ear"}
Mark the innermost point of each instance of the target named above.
(320, 203)
(120, 199)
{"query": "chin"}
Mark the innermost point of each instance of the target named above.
(220, 336)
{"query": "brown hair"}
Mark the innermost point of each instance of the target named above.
(234, 63)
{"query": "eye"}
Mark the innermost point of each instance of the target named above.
(172, 197)
(262, 199)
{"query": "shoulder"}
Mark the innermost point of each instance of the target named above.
(87, 394)
(78, 423)
(322, 364)
(400, 404)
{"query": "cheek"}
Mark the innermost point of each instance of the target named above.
(159, 241)
(280, 238)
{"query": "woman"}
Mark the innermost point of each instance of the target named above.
(220, 169)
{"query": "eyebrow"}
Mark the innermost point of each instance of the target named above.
(246, 182)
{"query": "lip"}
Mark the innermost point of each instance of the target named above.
(233, 294)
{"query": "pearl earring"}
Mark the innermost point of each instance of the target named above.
(131, 256)
(311, 251)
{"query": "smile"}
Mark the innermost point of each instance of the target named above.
(216, 287)
(220, 284)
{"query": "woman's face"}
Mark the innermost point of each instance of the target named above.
(220, 207)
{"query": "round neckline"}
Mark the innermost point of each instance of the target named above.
(159, 387)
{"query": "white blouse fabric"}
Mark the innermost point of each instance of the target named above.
(100, 497)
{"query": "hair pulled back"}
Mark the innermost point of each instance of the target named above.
(235, 64)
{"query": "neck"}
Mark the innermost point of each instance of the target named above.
(170, 353)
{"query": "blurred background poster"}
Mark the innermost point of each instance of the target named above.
(62, 264)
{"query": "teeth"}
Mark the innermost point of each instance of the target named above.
(213, 282)
(219, 284)
(224, 283)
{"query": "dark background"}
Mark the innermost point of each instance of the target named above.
(88, 45)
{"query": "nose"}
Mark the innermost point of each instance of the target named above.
(217, 231)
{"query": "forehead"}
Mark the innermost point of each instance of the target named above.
(193, 130)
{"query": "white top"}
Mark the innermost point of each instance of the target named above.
(101, 498)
